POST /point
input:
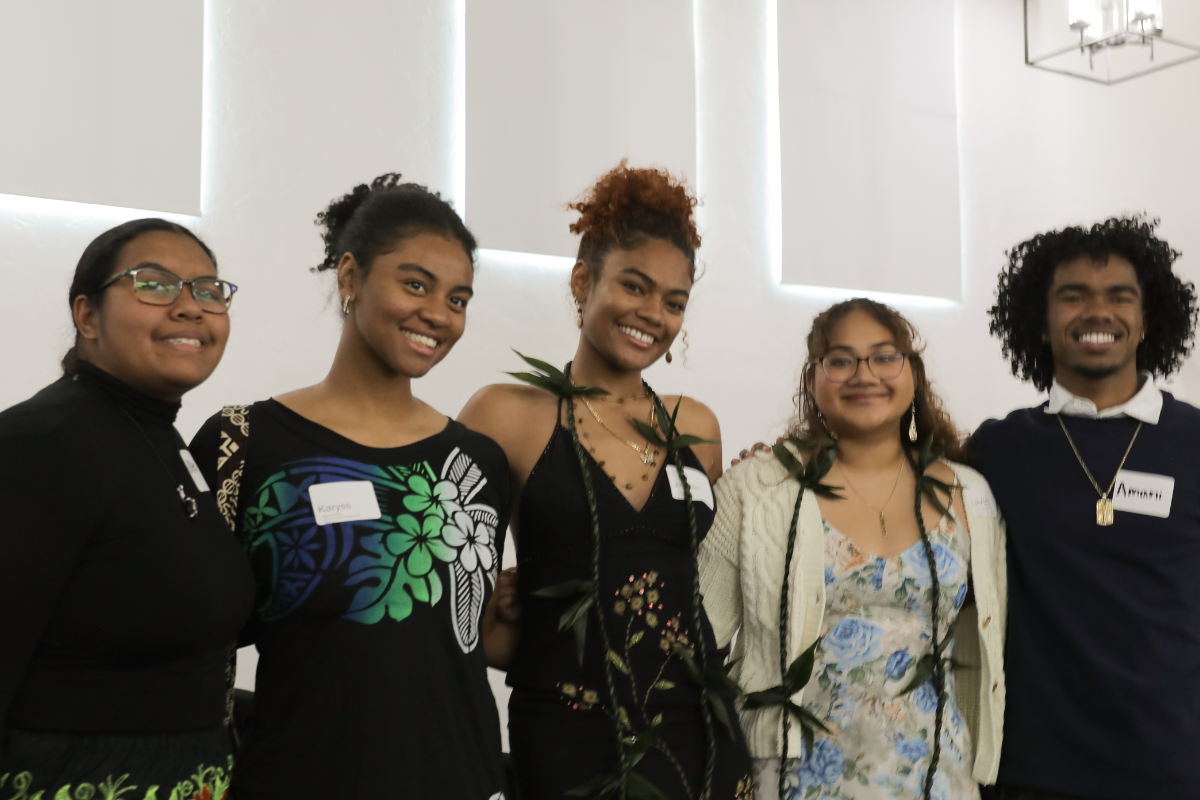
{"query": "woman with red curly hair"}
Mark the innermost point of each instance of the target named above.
(612, 498)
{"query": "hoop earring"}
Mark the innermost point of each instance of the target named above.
(345, 306)
(912, 423)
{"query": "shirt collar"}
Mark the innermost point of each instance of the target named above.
(1145, 406)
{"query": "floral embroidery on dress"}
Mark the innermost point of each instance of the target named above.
(208, 783)
(875, 631)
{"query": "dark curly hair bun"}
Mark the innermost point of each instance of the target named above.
(371, 220)
(627, 206)
(1168, 303)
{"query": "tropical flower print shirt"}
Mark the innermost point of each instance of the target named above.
(875, 630)
(371, 675)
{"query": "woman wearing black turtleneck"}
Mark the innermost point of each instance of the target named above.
(120, 586)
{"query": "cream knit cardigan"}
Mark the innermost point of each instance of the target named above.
(741, 563)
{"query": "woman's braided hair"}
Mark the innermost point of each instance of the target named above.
(932, 423)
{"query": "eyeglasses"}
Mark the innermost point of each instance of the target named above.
(841, 367)
(157, 287)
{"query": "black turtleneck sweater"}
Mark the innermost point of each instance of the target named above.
(115, 606)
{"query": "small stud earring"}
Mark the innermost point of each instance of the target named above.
(669, 357)
(345, 306)
(912, 423)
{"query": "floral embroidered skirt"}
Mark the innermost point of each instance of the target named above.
(64, 766)
(555, 750)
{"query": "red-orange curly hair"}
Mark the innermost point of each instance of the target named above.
(627, 206)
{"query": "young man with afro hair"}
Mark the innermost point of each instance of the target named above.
(1100, 488)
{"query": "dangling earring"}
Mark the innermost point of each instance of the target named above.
(912, 423)
(821, 417)
(578, 315)
(668, 356)
(345, 306)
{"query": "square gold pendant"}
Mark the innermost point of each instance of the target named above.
(1104, 511)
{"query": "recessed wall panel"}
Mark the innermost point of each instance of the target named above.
(101, 101)
(869, 146)
(558, 92)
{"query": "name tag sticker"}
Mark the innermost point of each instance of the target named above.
(981, 500)
(697, 482)
(1143, 493)
(343, 501)
(193, 470)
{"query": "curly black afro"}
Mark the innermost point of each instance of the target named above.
(1168, 303)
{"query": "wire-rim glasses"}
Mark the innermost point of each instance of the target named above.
(841, 367)
(158, 287)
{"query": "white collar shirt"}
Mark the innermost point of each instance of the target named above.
(1145, 406)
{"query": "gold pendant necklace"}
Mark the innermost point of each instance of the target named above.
(647, 453)
(1104, 506)
(879, 511)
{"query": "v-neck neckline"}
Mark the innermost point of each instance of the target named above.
(592, 459)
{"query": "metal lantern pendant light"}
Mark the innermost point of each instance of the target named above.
(1107, 41)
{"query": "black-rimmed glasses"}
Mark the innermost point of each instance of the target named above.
(841, 367)
(158, 287)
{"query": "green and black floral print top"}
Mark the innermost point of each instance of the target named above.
(371, 677)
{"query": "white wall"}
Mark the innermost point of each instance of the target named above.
(303, 100)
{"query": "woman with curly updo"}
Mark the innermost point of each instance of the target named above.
(1101, 491)
(843, 559)
(617, 680)
(375, 527)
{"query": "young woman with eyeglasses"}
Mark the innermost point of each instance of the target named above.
(855, 543)
(121, 589)
(375, 526)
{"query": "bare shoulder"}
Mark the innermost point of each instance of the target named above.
(519, 418)
(946, 475)
(694, 417)
(498, 406)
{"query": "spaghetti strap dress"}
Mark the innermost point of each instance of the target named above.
(561, 718)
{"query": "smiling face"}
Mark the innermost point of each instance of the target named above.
(864, 404)
(1094, 318)
(633, 308)
(163, 351)
(411, 306)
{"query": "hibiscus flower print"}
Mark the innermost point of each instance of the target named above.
(419, 543)
(475, 539)
(439, 499)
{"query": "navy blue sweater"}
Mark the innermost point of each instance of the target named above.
(1103, 654)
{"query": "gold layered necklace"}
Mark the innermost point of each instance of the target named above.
(1104, 506)
(648, 453)
(861, 499)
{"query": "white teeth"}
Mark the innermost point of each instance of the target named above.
(644, 338)
(180, 340)
(1096, 337)
(424, 341)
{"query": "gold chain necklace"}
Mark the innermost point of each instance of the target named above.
(861, 499)
(1104, 506)
(647, 453)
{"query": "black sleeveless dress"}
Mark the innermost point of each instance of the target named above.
(561, 727)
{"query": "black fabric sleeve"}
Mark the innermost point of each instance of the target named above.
(206, 448)
(49, 513)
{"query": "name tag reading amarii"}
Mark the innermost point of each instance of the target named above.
(1143, 493)
(343, 501)
(697, 481)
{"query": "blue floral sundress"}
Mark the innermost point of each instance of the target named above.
(875, 630)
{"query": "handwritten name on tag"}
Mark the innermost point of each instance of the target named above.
(697, 482)
(1143, 493)
(194, 471)
(343, 501)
